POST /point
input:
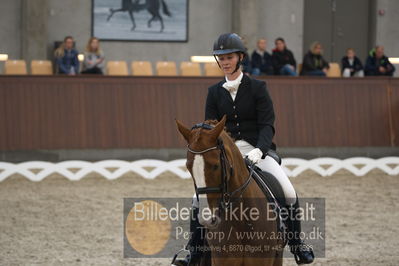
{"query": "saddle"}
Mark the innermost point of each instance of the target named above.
(270, 187)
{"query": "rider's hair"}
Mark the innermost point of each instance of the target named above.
(239, 61)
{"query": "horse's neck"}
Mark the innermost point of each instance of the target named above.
(241, 173)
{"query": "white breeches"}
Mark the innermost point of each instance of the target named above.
(271, 166)
(347, 73)
(268, 165)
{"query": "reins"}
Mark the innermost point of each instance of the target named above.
(226, 198)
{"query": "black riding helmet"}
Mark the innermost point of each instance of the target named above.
(228, 43)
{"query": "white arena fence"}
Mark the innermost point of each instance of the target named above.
(150, 169)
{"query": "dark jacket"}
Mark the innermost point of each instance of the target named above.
(372, 66)
(249, 117)
(282, 58)
(357, 64)
(264, 63)
(313, 62)
(70, 59)
(246, 65)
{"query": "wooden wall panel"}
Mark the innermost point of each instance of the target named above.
(60, 112)
(330, 112)
(393, 90)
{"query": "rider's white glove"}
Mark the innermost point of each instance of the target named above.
(255, 155)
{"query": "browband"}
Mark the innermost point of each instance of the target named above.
(203, 125)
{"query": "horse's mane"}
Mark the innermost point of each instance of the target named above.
(224, 135)
(228, 140)
(211, 122)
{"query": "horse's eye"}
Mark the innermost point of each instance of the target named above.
(215, 167)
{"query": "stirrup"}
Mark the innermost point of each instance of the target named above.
(177, 254)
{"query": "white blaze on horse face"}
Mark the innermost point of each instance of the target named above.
(199, 170)
(199, 177)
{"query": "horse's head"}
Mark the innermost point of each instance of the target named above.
(206, 161)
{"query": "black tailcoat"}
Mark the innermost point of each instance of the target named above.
(250, 116)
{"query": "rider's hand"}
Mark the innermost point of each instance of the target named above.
(255, 155)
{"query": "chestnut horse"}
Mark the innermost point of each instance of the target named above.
(223, 184)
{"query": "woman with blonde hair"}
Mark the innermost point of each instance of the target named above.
(66, 57)
(94, 58)
(314, 63)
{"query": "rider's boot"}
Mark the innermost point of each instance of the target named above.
(195, 243)
(303, 253)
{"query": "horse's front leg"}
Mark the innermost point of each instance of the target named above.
(162, 26)
(228, 261)
(249, 261)
(111, 11)
(150, 21)
(132, 19)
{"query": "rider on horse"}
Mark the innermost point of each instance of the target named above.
(250, 122)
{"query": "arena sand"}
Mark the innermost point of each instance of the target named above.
(62, 222)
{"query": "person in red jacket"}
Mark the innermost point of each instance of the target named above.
(283, 59)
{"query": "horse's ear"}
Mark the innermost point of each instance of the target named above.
(215, 132)
(183, 130)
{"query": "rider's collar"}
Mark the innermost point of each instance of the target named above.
(233, 83)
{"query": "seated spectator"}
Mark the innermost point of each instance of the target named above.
(246, 63)
(261, 60)
(283, 60)
(351, 65)
(66, 57)
(94, 58)
(377, 64)
(313, 62)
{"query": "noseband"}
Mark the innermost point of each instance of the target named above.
(226, 197)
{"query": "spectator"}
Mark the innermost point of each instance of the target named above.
(351, 65)
(283, 60)
(261, 60)
(94, 58)
(246, 63)
(313, 62)
(66, 57)
(377, 64)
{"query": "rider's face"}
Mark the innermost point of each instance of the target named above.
(228, 62)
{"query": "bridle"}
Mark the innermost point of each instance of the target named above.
(226, 196)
